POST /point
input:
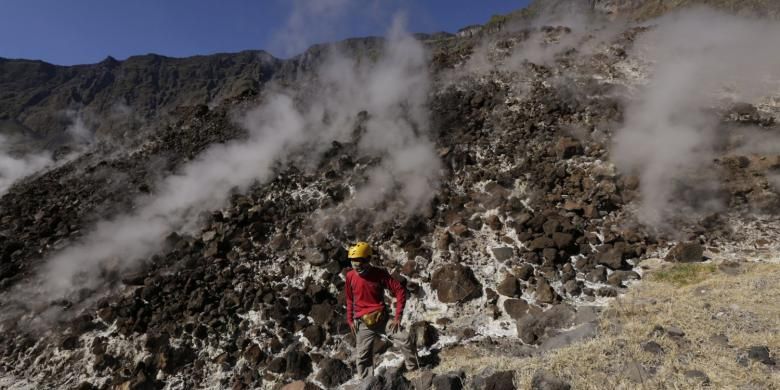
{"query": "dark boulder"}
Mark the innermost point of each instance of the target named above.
(540, 243)
(503, 253)
(617, 278)
(298, 365)
(300, 385)
(543, 380)
(503, 380)
(509, 286)
(533, 329)
(315, 334)
(697, 376)
(333, 373)
(568, 148)
(516, 308)
(450, 381)
(322, 313)
(70, 343)
(545, 293)
(597, 275)
(611, 257)
(391, 379)
(686, 252)
(299, 304)
(253, 354)
(562, 240)
(424, 381)
(423, 334)
(455, 283)
(277, 365)
(524, 272)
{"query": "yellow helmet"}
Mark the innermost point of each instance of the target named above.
(361, 250)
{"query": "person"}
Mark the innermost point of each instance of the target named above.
(366, 312)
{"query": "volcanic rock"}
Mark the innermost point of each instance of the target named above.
(300, 385)
(760, 354)
(573, 287)
(568, 148)
(315, 334)
(423, 334)
(424, 381)
(545, 293)
(597, 275)
(253, 354)
(389, 380)
(686, 252)
(516, 308)
(333, 372)
(503, 380)
(562, 240)
(524, 272)
(298, 365)
(532, 328)
(612, 258)
(652, 347)
(455, 283)
(322, 313)
(698, 376)
(541, 243)
(449, 381)
(509, 287)
(617, 278)
(503, 253)
(543, 380)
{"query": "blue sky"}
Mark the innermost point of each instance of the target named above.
(70, 32)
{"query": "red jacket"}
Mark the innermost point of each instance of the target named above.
(365, 293)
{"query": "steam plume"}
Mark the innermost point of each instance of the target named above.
(697, 59)
(393, 92)
(14, 167)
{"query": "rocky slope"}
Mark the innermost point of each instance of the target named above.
(523, 228)
(118, 97)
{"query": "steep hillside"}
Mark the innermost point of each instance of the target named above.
(518, 182)
(115, 97)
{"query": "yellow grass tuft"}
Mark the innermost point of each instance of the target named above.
(684, 274)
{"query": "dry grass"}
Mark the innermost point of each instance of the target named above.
(684, 274)
(699, 300)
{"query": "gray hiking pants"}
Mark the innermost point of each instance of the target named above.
(365, 351)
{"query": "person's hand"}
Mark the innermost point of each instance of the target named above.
(395, 326)
(352, 328)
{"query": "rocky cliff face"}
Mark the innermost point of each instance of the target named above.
(116, 98)
(496, 202)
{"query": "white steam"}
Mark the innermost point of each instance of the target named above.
(697, 58)
(392, 92)
(556, 29)
(203, 184)
(14, 167)
(78, 131)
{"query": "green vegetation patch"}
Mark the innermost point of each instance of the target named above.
(684, 274)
